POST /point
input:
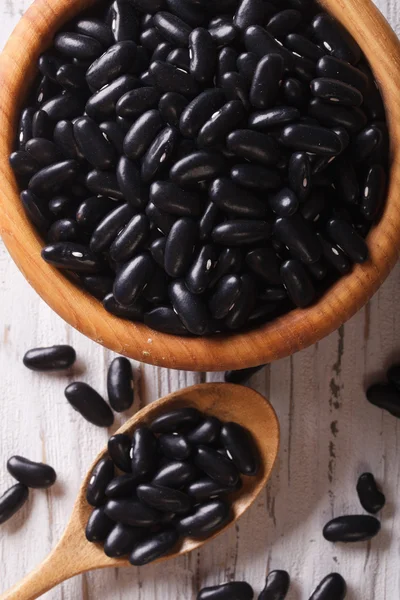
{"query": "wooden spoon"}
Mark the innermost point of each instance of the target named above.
(74, 554)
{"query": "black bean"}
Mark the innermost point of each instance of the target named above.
(70, 255)
(115, 134)
(216, 466)
(240, 446)
(64, 106)
(174, 446)
(120, 384)
(314, 206)
(298, 236)
(43, 151)
(285, 203)
(332, 254)
(172, 28)
(123, 20)
(207, 432)
(164, 319)
(373, 102)
(111, 65)
(122, 539)
(351, 528)
(351, 118)
(130, 183)
(164, 499)
(52, 178)
(226, 293)
(175, 420)
(134, 103)
(109, 227)
(150, 38)
(198, 166)
(302, 46)
(236, 87)
(373, 193)
(310, 138)
(142, 133)
(236, 590)
(103, 103)
(335, 39)
(171, 198)
(30, 473)
(92, 211)
(97, 150)
(156, 292)
(171, 107)
(385, 396)
(78, 45)
(255, 177)
(203, 55)
(131, 512)
(132, 237)
(247, 64)
(189, 307)
(283, 23)
(61, 206)
(54, 358)
(253, 146)
(64, 138)
(101, 476)
(153, 547)
(200, 274)
(206, 518)
(335, 68)
(71, 77)
(24, 133)
(133, 312)
(370, 496)
(89, 404)
(159, 153)
(223, 31)
(226, 62)
(241, 231)
(221, 123)
(266, 81)
(336, 91)
(179, 247)
(132, 278)
(12, 501)
(261, 42)
(170, 78)
(347, 238)
(298, 283)
(49, 63)
(300, 174)
(119, 447)
(346, 181)
(332, 587)
(99, 526)
(199, 110)
(242, 375)
(175, 474)
(179, 57)
(249, 12)
(96, 29)
(162, 220)
(243, 305)
(123, 486)
(233, 200)
(42, 125)
(274, 117)
(23, 164)
(276, 586)
(143, 453)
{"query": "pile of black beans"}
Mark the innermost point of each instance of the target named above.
(29, 474)
(386, 395)
(203, 167)
(332, 587)
(358, 528)
(176, 474)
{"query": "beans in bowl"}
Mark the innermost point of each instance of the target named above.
(203, 167)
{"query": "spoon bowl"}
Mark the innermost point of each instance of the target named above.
(74, 554)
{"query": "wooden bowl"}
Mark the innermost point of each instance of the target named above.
(280, 338)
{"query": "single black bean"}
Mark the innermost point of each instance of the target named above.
(373, 193)
(303, 46)
(64, 106)
(285, 203)
(89, 404)
(174, 446)
(171, 107)
(164, 499)
(49, 63)
(23, 164)
(122, 539)
(218, 467)
(332, 254)
(24, 132)
(157, 249)
(132, 237)
(332, 587)
(235, 590)
(150, 38)
(134, 103)
(142, 133)
(123, 20)
(244, 303)
(119, 447)
(172, 28)
(283, 23)
(200, 274)
(132, 279)
(12, 501)
(208, 220)
(131, 512)
(335, 39)
(221, 123)
(115, 134)
(265, 85)
(176, 420)
(101, 476)
(347, 238)
(159, 153)
(298, 236)
(133, 312)
(206, 519)
(190, 308)
(164, 319)
(175, 474)
(123, 486)
(223, 31)
(275, 293)
(198, 166)
(247, 64)
(298, 283)
(52, 178)
(30, 473)
(240, 446)
(169, 197)
(242, 375)
(97, 150)
(72, 77)
(95, 28)
(207, 489)
(276, 586)
(370, 496)
(92, 211)
(335, 68)
(310, 138)
(351, 528)
(233, 200)
(54, 358)
(70, 255)
(274, 117)
(255, 177)
(385, 396)
(241, 231)
(130, 183)
(207, 432)
(253, 146)
(170, 78)
(120, 384)
(62, 206)
(112, 64)
(99, 526)
(109, 227)
(249, 12)
(226, 293)
(153, 547)
(300, 174)
(43, 151)
(314, 206)
(351, 118)
(78, 45)
(42, 126)
(336, 91)
(203, 55)
(143, 453)
(180, 246)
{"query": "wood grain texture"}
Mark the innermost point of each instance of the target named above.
(329, 435)
(282, 337)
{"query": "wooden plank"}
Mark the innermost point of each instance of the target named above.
(329, 436)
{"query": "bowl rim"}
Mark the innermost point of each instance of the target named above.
(277, 339)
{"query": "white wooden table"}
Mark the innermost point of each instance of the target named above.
(330, 434)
